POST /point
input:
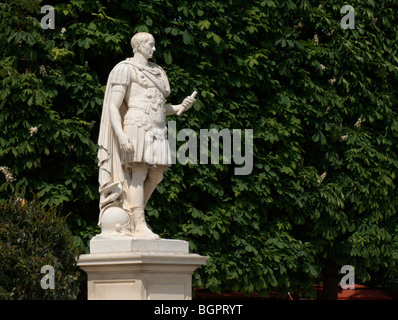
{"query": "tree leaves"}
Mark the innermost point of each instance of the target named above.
(43, 88)
(284, 69)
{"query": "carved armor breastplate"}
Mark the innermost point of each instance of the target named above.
(144, 97)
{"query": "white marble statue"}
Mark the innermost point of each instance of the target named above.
(133, 148)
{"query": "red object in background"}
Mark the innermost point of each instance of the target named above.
(359, 293)
(362, 293)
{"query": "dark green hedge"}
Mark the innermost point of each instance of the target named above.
(32, 237)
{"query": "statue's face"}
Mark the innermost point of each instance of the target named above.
(147, 48)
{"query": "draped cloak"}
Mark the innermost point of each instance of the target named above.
(112, 179)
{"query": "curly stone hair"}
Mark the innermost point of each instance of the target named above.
(138, 39)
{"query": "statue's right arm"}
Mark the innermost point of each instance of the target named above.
(116, 99)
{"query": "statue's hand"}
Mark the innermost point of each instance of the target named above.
(125, 143)
(188, 102)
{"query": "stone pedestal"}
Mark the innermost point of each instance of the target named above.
(127, 268)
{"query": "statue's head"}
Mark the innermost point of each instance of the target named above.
(144, 43)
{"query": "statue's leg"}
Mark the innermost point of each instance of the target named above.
(136, 189)
(154, 177)
(137, 203)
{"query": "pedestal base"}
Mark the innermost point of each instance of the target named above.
(127, 268)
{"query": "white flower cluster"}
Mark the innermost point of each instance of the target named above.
(43, 71)
(345, 137)
(330, 33)
(316, 39)
(323, 176)
(33, 131)
(7, 173)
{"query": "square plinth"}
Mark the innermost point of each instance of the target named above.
(128, 268)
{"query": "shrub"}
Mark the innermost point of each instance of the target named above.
(32, 237)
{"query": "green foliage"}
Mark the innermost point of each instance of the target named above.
(31, 237)
(319, 99)
(44, 88)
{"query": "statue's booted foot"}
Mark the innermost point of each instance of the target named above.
(140, 227)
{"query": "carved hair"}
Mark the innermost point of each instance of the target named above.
(138, 39)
